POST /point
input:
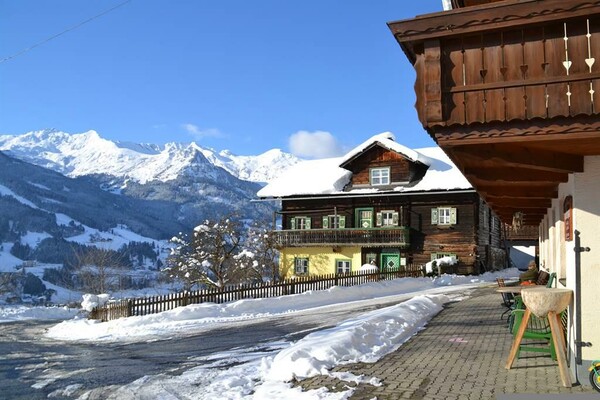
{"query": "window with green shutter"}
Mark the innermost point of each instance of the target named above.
(443, 216)
(300, 223)
(334, 221)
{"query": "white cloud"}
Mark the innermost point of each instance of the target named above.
(199, 133)
(317, 144)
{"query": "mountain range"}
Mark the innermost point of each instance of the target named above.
(88, 153)
(155, 190)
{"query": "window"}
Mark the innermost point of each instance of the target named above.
(387, 218)
(300, 223)
(364, 218)
(436, 256)
(301, 266)
(343, 266)
(371, 258)
(334, 221)
(380, 176)
(443, 216)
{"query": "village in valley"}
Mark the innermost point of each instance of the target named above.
(332, 271)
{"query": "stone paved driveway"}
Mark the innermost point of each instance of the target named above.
(460, 355)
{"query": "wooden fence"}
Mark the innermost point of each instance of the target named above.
(155, 304)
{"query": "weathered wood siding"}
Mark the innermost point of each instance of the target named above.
(472, 239)
(489, 237)
(458, 239)
(378, 157)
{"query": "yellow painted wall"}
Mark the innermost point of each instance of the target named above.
(321, 260)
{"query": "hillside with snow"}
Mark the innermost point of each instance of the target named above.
(88, 153)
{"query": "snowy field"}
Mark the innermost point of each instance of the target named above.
(266, 373)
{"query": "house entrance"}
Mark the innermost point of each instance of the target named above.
(390, 261)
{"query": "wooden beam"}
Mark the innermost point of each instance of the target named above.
(520, 157)
(521, 203)
(510, 191)
(583, 129)
(511, 174)
(528, 213)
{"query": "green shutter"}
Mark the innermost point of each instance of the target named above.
(395, 218)
(293, 222)
(379, 219)
(453, 216)
(325, 222)
(434, 216)
(342, 221)
(307, 222)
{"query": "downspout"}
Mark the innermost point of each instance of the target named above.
(577, 300)
(578, 342)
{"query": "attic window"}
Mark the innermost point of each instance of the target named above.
(380, 176)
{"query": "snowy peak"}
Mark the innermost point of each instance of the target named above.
(88, 153)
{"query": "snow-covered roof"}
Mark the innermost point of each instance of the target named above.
(387, 140)
(322, 177)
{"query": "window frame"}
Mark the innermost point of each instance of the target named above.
(337, 266)
(305, 224)
(305, 265)
(444, 215)
(379, 171)
(334, 221)
(451, 218)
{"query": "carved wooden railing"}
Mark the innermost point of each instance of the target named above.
(494, 64)
(398, 237)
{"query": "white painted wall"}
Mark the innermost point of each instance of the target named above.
(558, 255)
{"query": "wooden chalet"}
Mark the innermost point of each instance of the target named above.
(510, 90)
(385, 204)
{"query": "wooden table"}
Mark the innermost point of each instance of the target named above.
(548, 302)
(510, 289)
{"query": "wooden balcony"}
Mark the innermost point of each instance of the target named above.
(388, 237)
(526, 233)
(510, 91)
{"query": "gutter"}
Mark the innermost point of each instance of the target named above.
(342, 195)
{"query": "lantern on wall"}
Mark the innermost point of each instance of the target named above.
(517, 222)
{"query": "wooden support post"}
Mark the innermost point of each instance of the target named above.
(559, 345)
(518, 339)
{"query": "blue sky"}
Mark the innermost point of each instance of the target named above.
(315, 77)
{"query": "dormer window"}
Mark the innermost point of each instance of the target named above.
(380, 176)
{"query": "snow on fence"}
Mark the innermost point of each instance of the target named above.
(155, 304)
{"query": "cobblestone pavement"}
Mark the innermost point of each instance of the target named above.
(460, 355)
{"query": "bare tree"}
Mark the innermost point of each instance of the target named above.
(213, 255)
(260, 242)
(99, 270)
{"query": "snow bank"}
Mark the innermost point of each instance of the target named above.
(263, 373)
(363, 339)
(92, 300)
(198, 316)
(20, 313)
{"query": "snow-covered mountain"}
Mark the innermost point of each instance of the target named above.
(88, 153)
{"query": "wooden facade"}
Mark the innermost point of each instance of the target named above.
(511, 91)
(394, 222)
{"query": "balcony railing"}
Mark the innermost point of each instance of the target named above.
(527, 232)
(397, 237)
